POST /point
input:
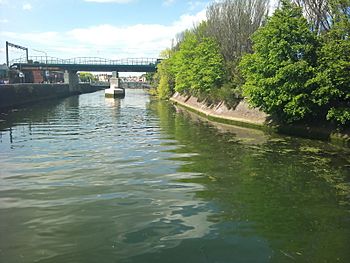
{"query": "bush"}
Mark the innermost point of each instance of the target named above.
(278, 74)
(333, 78)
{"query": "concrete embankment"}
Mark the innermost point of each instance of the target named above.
(14, 95)
(243, 115)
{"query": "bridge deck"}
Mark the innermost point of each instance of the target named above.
(88, 64)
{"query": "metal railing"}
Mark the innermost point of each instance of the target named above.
(85, 61)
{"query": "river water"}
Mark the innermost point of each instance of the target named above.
(90, 179)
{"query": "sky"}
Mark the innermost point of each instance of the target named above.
(109, 29)
(96, 28)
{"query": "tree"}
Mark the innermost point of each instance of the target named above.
(87, 77)
(198, 64)
(333, 93)
(322, 14)
(149, 76)
(183, 62)
(279, 71)
(164, 78)
(193, 66)
(317, 12)
(232, 22)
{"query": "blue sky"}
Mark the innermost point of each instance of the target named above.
(101, 28)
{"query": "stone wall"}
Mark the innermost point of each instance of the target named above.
(14, 95)
(19, 94)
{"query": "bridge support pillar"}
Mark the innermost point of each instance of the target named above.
(115, 89)
(71, 78)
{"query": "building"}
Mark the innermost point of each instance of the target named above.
(104, 77)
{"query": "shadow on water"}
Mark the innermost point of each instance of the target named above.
(290, 195)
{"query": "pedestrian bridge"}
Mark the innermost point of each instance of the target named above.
(87, 64)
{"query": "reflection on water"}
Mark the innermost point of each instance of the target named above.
(90, 179)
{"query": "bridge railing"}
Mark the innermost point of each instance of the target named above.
(85, 61)
(38, 60)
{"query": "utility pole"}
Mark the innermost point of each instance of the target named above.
(7, 53)
(41, 52)
(8, 44)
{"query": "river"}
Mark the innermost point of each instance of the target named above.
(91, 179)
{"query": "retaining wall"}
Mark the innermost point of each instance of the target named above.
(243, 115)
(14, 95)
(17, 94)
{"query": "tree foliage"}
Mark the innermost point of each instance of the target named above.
(322, 14)
(232, 22)
(317, 12)
(195, 67)
(278, 72)
(164, 78)
(87, 77)
(198, 63)
(295, 75)
(333, 74)
(293, 65)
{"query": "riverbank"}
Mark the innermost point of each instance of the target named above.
(243, 115)
(14, 95)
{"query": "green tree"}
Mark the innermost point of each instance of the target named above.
(87, 77)
(183, 61)
(194, 66)
(164, 79)
(165, 85)
(279, 71)
(231, 23)
(333, 93)
(198, 64)
(149, 76)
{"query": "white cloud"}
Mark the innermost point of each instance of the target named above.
(3, 21)
(197, 4)
(273, 6)
(27, 6)
(188, 21)
(137, 40)
(111, 1)
(44, 38)
(168, 2)
(109, 41)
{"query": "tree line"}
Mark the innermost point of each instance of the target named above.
(293, 64)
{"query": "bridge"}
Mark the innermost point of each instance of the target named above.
(87, 64)
(73, 65)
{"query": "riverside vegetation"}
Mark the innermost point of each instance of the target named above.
(293, 64)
